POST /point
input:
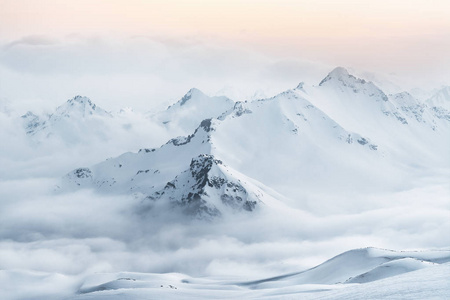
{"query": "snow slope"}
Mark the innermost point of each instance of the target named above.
(414, 132)
(427, 283)
(391, 275)
(324, 280)
(359, 266)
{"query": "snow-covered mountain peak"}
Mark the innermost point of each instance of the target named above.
(29, 116)
(341, 80)
(81, 99)
(206, 190)
(192, 93)
(31, 122)
(76, 119)
(183, 174)
(338, 73)
(79, 106)
(300, 86)
(195, 106)
(196, 97)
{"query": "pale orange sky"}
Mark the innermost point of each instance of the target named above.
(258, 18)
(282, 26)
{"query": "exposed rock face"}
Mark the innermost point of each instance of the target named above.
(441, 113)
(205, 125)
(80, 176)
(197, 191)
(32, 122)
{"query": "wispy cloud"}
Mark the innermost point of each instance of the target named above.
(32, 40)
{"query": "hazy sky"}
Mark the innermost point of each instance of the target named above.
(144, 49)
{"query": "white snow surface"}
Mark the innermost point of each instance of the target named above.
(391, 275)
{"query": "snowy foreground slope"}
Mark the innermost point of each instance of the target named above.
(384, 274)
(357, 274)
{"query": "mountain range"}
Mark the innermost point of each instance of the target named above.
(343, 136)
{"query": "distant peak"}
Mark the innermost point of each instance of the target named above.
(29, 114)
(340, 74)
(192, 92)
(195, 90)
(79, 105)
(81, 100)
(341, 79)
(300, 86)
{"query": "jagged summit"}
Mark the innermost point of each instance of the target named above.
(300, 86)
(81, 99)
(79, 105)
(340, 79)
(194, 92)
(164, 163)
(195, 106)
(197, 96)
(206, 190)
(70, 121)
(341, 74)
(31, 122)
